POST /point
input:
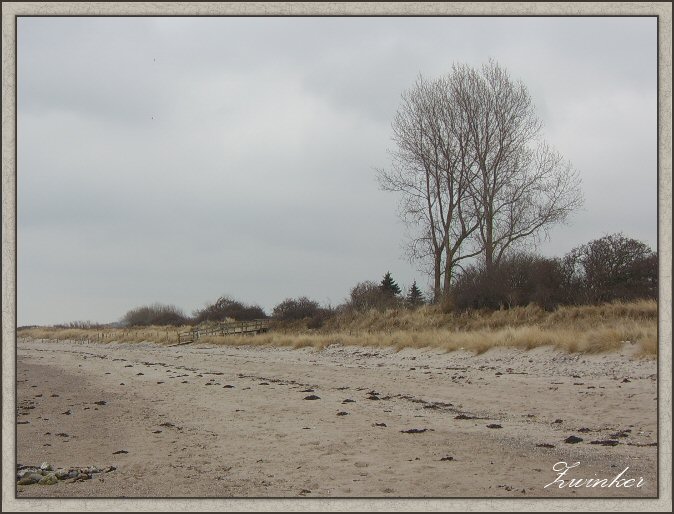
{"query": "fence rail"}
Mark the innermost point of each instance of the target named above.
(233, 327)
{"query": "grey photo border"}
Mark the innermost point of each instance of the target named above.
(9, 12)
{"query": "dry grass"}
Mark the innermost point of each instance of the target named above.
(590, 329)
(162, 335)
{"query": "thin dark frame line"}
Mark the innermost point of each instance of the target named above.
(337, 15)
(16, 184)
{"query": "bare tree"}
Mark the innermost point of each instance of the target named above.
(523, 186)
(475, 176)
(432, 169)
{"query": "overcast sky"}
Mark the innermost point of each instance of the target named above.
(175, 160)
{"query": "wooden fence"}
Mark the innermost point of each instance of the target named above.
(255, 326)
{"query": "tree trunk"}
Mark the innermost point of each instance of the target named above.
(446, 290)
(437, 275)
(489, 244)
(449, 264)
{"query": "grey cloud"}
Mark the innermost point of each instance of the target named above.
(177, 159)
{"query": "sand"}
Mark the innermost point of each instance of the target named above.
(184, 434)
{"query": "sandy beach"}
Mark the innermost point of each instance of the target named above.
(249, 421)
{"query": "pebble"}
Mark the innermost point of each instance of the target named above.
(62, 474)
(49, 479)
(45, 475)
(572, 439)
(26, 472)
(28, 480)
(35, 476)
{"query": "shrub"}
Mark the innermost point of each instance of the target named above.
(518, 280)
(370, 295)
(613, 267)
(155, 314)
(295, 308)
(80, 324)
(320, 317)
(226, 307)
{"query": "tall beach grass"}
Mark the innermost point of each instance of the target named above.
(588, 328)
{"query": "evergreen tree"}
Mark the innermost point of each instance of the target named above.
(389, 285)
(415, 297)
